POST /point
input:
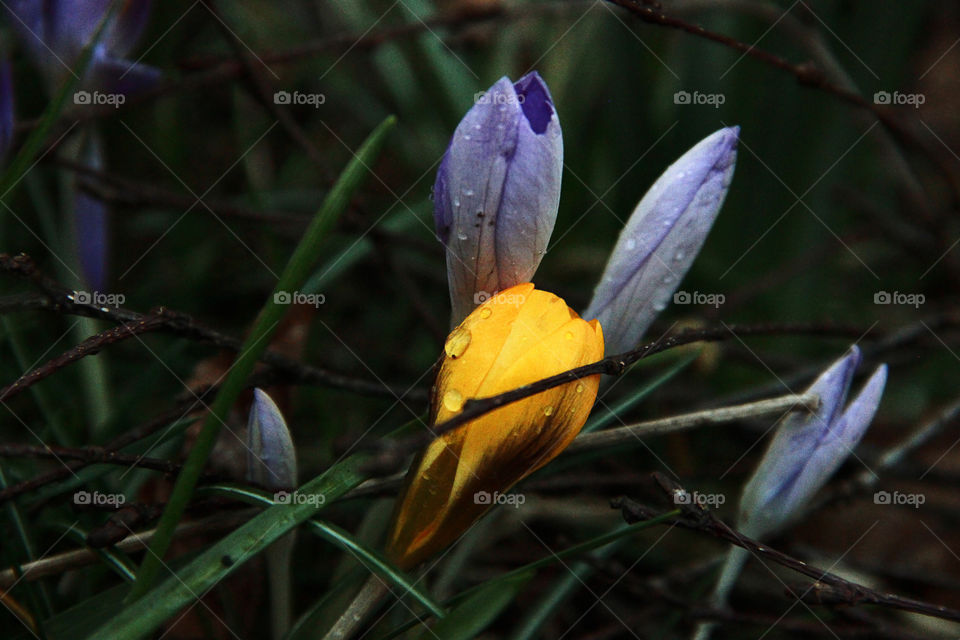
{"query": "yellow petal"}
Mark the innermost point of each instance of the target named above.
(515, 338)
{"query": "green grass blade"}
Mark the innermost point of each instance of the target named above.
(291, 279)
(479, 610)
(140, 618)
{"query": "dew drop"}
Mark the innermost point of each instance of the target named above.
(659, 305)
(466, 137)
(548, 410)
(453, 400)
(679, 256)
(458, 342)
(681, 175)
(468, 192)
(579, 387)
(667, 279)
(631, 244)
(461, 235)
(477, 127)
(569, 335)
(486, 313)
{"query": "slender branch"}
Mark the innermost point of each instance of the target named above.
(806, 74)
(87, 455)
(393, 453)
(53, 565)
(620, 435)
(63, 300)
(827, 588)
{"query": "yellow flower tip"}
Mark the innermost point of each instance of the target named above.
(517, 337)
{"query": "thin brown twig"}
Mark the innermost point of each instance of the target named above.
(827, 589)
(395, 452)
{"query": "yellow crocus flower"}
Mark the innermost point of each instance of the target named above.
(517, 337)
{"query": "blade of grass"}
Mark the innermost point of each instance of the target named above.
(478, 611)
(140, 618)
(340, 538)
(293, 276)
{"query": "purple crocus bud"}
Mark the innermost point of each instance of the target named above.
(6, 106)
(497, 191)
(55, 33)
(661, 240)
(271, 458)
(809, 447)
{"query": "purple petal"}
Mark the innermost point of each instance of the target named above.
(127, 27)
(497, 191)
(271, 457)
(91, 221)
(6, 106)
(661, 240)
(90, 216)
(808, 448)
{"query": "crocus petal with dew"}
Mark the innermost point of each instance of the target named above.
(808, 448)
(271, 458)
(661, 240)
(517, 337)
(497, 191)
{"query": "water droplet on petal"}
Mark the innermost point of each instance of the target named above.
(681, 175)
(453, 400)
(548, 410)
(679, 256)
(569, 335)
(659, 305)
(486, 312)
(477, 127)
(468, 192)
(579, 387)
(667, 279)
(458, 342)
(461, 235)
(631, 244)
(466, 137)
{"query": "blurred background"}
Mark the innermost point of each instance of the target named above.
(192, 194)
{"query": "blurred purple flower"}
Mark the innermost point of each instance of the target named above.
(661, 240)
(91, 221)
(6, 106)
(271, 457)
(55, 33)
(809, 447)
(497, 190)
